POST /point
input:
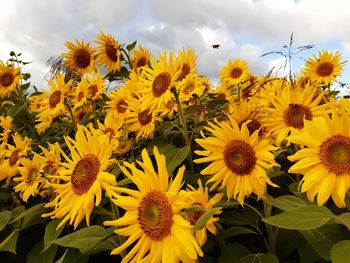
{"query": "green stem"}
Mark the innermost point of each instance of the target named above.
(116, 215)
(270, 229)
(184, 128)
(75, 126)
(128, 57)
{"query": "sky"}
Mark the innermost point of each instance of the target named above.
(244, 29)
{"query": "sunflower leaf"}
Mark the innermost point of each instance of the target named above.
(340, 252)
(4, 219)
(37, 256)
(205, 218)
(10, 242)
(51, 233)
(286, 202)
(131, 46)
(174, 156)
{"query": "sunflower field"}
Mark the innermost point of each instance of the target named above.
(133, 157)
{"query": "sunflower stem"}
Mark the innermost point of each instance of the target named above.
(184, 128)
(271, 233)
(116, 215)
(128, 57)
(68, 106)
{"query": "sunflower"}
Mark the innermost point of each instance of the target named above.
(82, 177)
(53, 103)
(141, 120)
(324, 68)
(80, 57)
(152, 219)
(140, 57)
(119, 102)
(9, 78)
(187, 61)
(36, 102)
(12, 157)
(6, 126)
(51, 159)
(190, 86)
(289, 110)
(158, 80)
(113, 127)
(325, 158)
(31, 180)
(234, 72)
(200, 197)
(91, 87)
(108, 52)
(238, 159)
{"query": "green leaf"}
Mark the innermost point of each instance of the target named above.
(131, 46)
(15, 110)
(194, 208)
(85, 239)
(24, 86)
(5, 194)
(340, 252)
(286, 202)
(238, 230)
(51, 233)
(10, 242)
(34, 209)
(306, 253)
(344, 219)
(37, 256)
(205, 218)
(259, 258)
(174, 156)
(319, 242)
(232, 252)
(4, 219)
(72, 256)
(304, 218)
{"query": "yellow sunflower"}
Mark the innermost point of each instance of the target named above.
(118, 104)
(53, 103)
(141, 120)
(113, 127)
(238, 159)
(158, 80)
(36, 102)
(82, 177)
(51, 159)
(152, 219)
(187, 62)
(200, 197)
(324, 68)
(80, 57)
(31, 180)
(9, 78)
(289, 110)
(12, 157)
(325, 158)
(6, 126)
(190, 86)
(140, 57)
(234, 72)
(108, 52)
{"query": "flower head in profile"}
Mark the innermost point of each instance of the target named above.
(9, 79)
(152, 220)
(108, 52)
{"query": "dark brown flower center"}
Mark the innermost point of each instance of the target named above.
(335, 154)
(145, 117)
(160, 84)
(236, 73)
(170, 104)
(92, 90)
(6, 79)
(14, 157)
(141, 62)
(295, 114)
(239, 157)
(185, 70)
(193, 216)
(31, 175)
(188, 88)
(325, 69)
(121, 106)
(85, 173)
(109, 131)
(50, 168)
(55, 98)
(252, 125)
(155, 215)
(111, 52)
(80, 96)
(82, 58)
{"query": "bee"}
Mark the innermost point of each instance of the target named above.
(215, 46)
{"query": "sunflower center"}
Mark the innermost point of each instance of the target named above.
(236, 73)
(31, 175)
(92, 90)
(6, 79)
(55, 98)
(141, 62)
(111, 52)
(186, 69)
(85, 173)
(49, 168)
(121, 106)
(193, 216)
(14, 157)
(80, 96)
(160, 84)
(145, 117)
(155, 215)
(188, 88)
(335, 154)
(252, 126)
(239, 157)
(111, 133)
(295, 114)
(324, 69)
(82, 58)
(170, 104)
